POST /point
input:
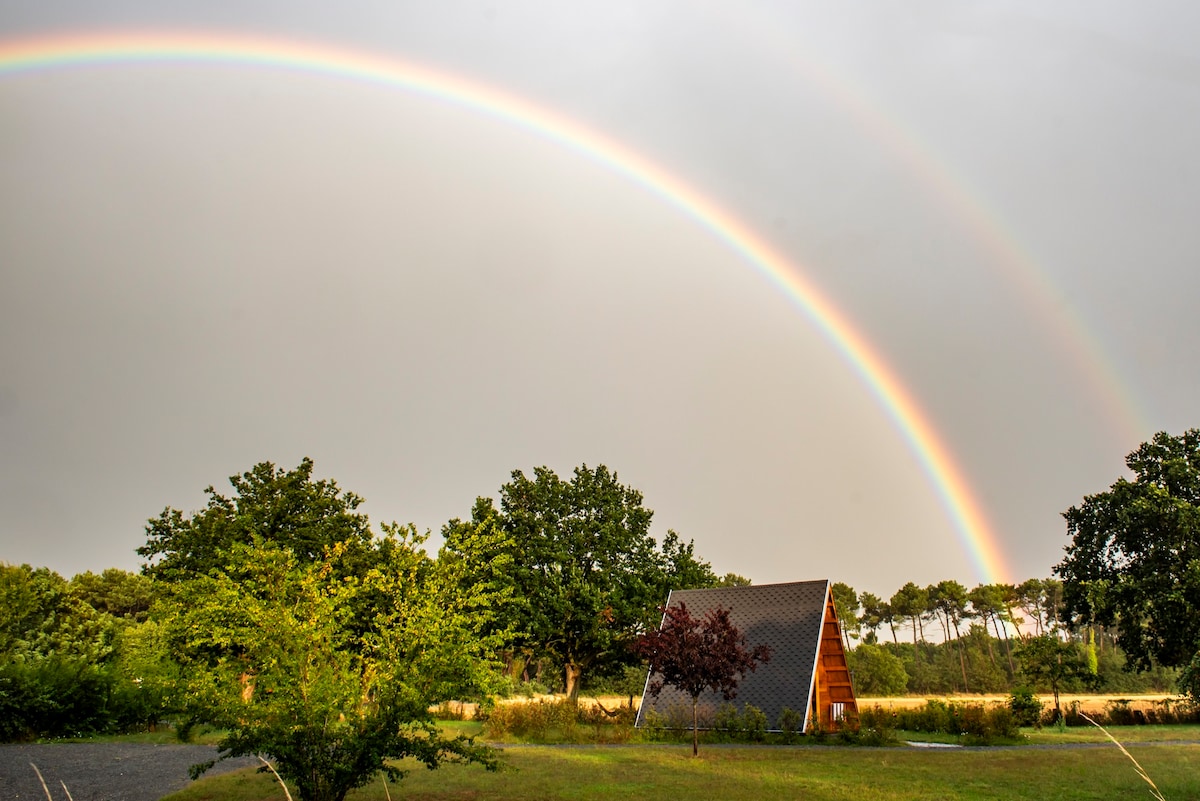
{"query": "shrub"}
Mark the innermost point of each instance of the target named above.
(535, 719)
(1026, 707)
(754, 724)
(876, 726)
(791, 724)
(561, 721)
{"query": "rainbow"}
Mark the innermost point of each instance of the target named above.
(1079, 342)
(930, 452)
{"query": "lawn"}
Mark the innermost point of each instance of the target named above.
(669, 772)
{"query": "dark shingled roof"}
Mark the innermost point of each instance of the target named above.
(786, 617)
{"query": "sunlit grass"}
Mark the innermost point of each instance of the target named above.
(765, 772)
(1049, 735)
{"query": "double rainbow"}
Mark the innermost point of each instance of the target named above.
(947, 479)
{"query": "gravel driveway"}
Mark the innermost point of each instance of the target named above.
(103, 771)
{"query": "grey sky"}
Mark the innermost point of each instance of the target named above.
(202, 267)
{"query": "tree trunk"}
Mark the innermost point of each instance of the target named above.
(573, 674)
(695, 731)
(1012, 670)
(962, 661)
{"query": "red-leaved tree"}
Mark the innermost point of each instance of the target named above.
(698, 654)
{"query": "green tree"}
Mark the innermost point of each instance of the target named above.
(285, 509)
(876, 672)
(57, 654)
(1134, 557)
(587, 567)
(911, 601)
(845, 601)
(949, 598)
(1047, 661)
(124, 595)
(872, 615)
(269, 649)
(987, 602)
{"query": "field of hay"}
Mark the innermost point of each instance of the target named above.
(1088, 704)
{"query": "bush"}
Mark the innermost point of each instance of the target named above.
(876, 726)
(534, 719)
(791, 724)
(51, 698)
(976, 723)
(560, 721)
(1026, 707)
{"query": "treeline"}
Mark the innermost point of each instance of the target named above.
(550, 583)
(75, 655)
(544, 587)
(994, 638)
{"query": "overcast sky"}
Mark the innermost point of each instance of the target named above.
(207, 266)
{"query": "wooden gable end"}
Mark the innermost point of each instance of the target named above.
(833, 692)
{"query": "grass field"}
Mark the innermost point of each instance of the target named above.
(765, 772)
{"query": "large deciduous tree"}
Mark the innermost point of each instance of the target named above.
(1134, 557)
(323, 653)
(586, 573)
(698, 654)
(283, 508)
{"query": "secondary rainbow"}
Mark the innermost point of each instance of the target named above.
(948, 481)
(1070, 333)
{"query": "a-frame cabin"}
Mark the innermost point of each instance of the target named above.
(807, 670)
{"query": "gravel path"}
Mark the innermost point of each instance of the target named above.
(103, 771)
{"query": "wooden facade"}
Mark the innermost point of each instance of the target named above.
(833, 700)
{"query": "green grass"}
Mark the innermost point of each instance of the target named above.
(669, 772)
(1180, 732)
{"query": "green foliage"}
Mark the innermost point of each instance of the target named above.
(586, 576)
(1026, 707)
(731, 724)
(283, 509)
(1134, 557)
(269, 653)
(119, 593)
(1049, 663)
(978, 724)
(876, 672)
(1189, 679)
(62, 654)
(560, 721)
(877, 726)
(324, 653)
(791, 724)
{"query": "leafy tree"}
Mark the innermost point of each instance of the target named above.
(269, 650)
(682, 569)
(731, 580)
(115, 592)
(910, 601)
(58, 660)
(694, 655)
(987, 601)
(284, 509)
(1134, 557)
(587, 568)
(872, 615)
(876, 672)
(1047, 661)
(949, 598)
(845, 601)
